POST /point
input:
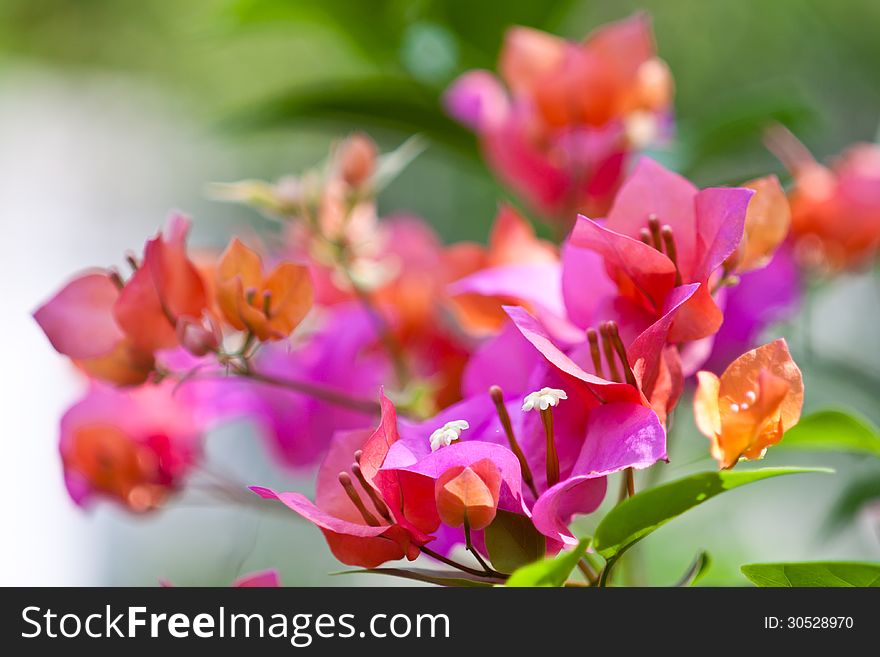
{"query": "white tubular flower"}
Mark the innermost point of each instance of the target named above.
(543, 399)
(448, 434)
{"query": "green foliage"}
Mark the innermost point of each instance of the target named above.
(695, 572)
(513, 541)
(549, 572)
(629, 522)
(834, 430)
(819, 573)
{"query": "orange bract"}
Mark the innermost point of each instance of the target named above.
(767, 222)
(115, 465)
(511, 242)
(468, 494)
(756, 400)
(270, 307)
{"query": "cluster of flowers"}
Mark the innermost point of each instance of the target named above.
(447, 389)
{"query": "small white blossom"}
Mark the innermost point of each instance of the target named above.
(543, 399)
(448, 434)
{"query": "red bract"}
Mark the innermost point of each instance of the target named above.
(111, 329)
(165, 287)
(662, 232)
(350, 510)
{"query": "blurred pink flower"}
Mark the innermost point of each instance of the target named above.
(134, 446)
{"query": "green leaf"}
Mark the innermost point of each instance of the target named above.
(549, 572)
(629, 522)
(513, 541)
(819, 573)
(387, 102)
(441, 577)
(833, 430)
(695, 572)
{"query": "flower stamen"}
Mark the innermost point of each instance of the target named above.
(654, 228)
(447, 434)
(593, 339)
(621, 353)
(351, 491)
(544, 400)
(608, 348)
(671, 252)
(377, 501)
(497, 396)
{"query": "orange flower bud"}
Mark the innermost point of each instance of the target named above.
(357, 159)
(468, 494)
(757, 399)
(272, 306)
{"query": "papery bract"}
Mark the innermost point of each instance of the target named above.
(766, 226)
(754, 402)
(360, 536)
(79, 323)
(519, 266)
(704, 226)
(270, 306)
(166, 286)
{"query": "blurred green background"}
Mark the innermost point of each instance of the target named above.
(112, 112)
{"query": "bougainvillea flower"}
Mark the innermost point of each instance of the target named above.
(362, 526)
(111, 328)
(617, 436)
(132, 446)
(835, 210)
(412, 471)
(166, 286)
(754, 402)
(559, 128)
(591, 440)
(269, 306)
(766, 227)
(643, 369)
(693, 231)
(79, 323)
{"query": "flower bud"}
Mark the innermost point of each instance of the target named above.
(199, 336)
(357, 159)
(468, 494)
